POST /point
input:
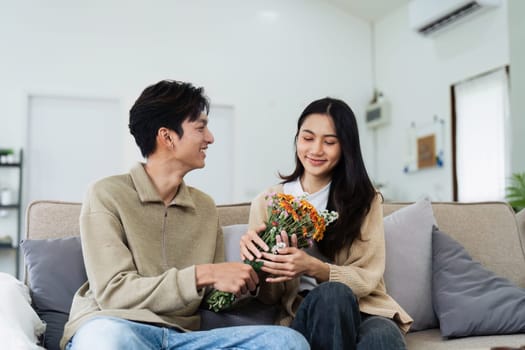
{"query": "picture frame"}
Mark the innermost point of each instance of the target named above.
(426, 151)
(425, 146)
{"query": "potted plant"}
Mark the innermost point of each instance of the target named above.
(516, 191)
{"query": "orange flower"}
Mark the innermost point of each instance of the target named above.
(285, 214)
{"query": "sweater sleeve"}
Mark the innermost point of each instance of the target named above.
(220, 253)
(361, 267)
(113, 275)
(258, 214)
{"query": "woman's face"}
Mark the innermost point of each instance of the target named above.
(318, 147)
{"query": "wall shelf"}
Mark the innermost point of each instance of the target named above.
(16, 236)
(10, 206)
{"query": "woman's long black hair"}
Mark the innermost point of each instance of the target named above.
(351, 191)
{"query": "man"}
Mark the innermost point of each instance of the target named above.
(152, 245)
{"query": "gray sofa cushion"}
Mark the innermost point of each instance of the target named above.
(408, 270)
(232, 237)
(469, 299)
(55, 322)
(56, 270)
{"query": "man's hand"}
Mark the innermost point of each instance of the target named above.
(233, 277)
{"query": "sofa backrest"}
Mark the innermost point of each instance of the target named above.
(489, 230)
(47, 219)
(52, 219)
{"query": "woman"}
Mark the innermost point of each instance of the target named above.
(333, 293)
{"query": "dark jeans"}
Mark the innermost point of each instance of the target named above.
(329, 318)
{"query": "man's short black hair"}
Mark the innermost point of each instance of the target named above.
(168, 104)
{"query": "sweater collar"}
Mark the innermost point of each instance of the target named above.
(148, 193)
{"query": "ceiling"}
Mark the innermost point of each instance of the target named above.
(371, 10)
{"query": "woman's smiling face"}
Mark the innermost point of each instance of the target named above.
(318, 147)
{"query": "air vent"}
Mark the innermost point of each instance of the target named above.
(430, 16)
(453, 17)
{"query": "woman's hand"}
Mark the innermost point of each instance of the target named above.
(289, 263)
(292, 262)
(249, 242)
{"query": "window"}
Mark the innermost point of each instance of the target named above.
(480, 146)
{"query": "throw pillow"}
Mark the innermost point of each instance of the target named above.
(408, 270)
(55, 322)
(232, 237)
(20, 326)
(56, 270)
(469, 299)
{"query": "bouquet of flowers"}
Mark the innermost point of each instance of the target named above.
(286, 214)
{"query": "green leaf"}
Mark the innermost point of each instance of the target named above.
(219, 300)
(516, 191)
(256, 265)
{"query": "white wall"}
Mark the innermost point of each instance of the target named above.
(517, 81)
(415, 73)
(267, 59)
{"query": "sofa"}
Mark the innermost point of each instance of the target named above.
(487, 238)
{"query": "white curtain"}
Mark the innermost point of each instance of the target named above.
(481, 139)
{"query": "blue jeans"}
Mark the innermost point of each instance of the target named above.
(329, 318)
(110, 333)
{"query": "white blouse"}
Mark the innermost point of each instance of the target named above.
(319, 200)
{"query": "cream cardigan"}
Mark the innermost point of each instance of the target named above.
(360, 267)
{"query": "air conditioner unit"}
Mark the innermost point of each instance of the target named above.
(431, 16)
(377, 113)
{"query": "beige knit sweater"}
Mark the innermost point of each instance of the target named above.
(140, 255)
(360, 267)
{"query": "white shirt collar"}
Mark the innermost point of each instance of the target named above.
(318, 199)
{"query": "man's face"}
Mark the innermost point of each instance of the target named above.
(190, 149)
